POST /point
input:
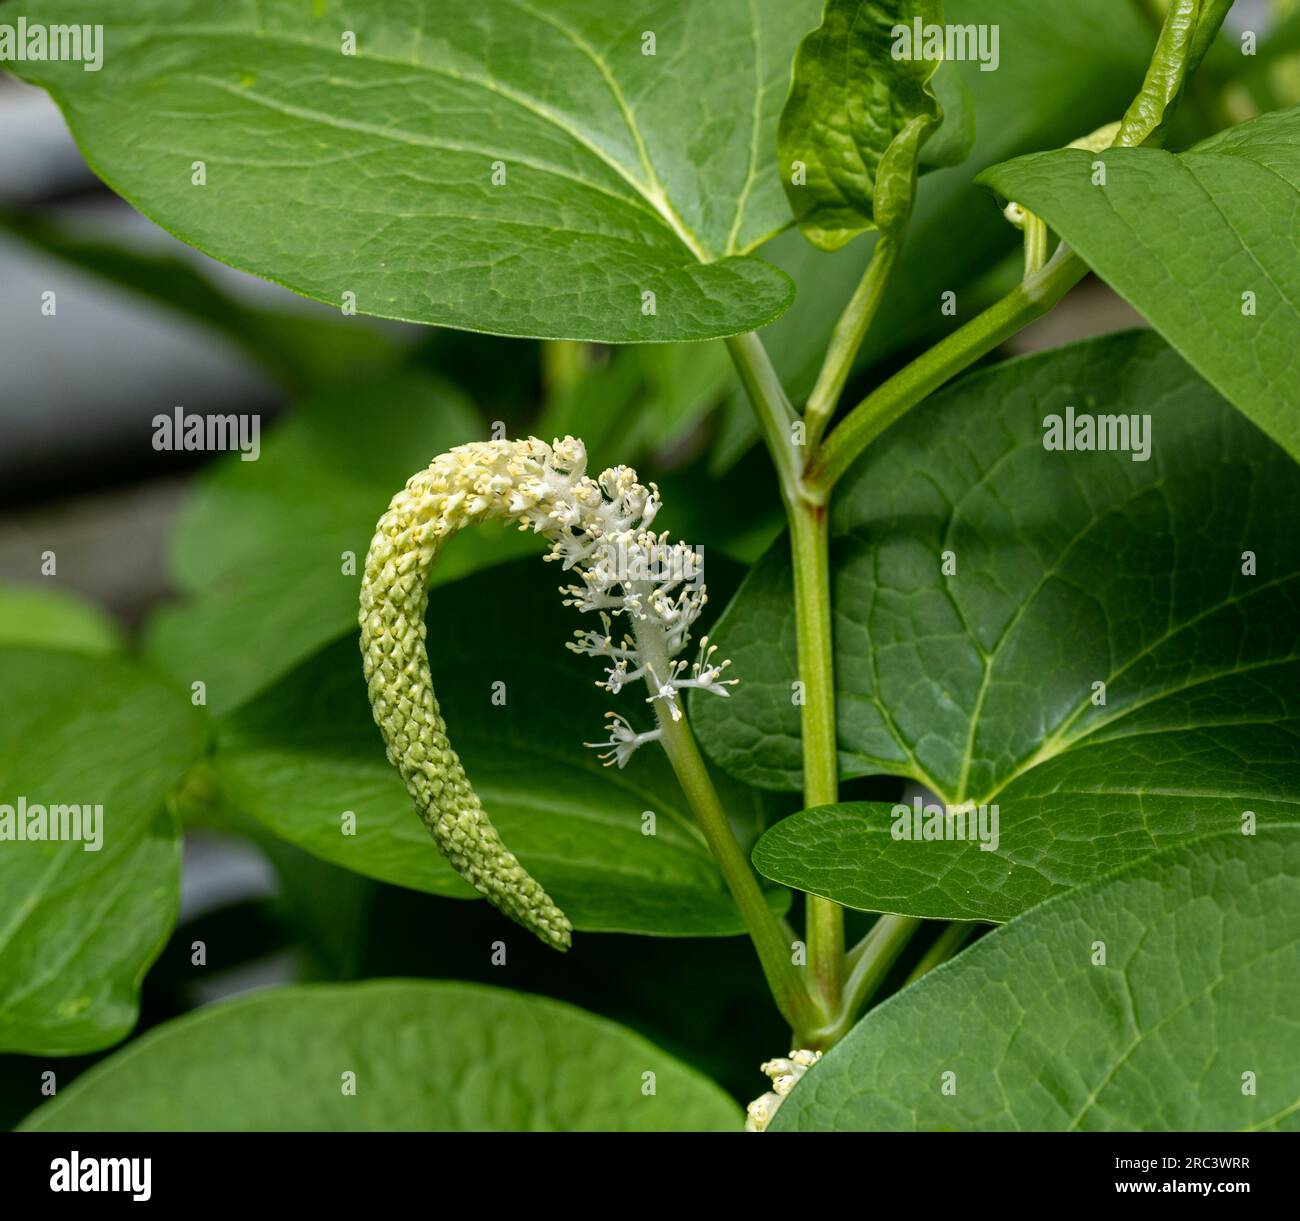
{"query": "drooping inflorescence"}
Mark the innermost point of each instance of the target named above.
(598, 530)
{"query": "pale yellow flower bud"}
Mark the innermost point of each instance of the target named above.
(394, 594)
(785, 1072)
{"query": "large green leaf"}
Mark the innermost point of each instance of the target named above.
(375, 167)
(422, 1056)
(682, 994)
(261, 549)
(1202, 243)
(856, 119)
(79, 927)
(1187, 1024)
(1071, 569)
(703, 999)
(308, 750)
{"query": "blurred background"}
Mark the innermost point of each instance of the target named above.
(144, 324)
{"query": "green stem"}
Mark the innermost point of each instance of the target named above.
(945, 945)
(847, 339)
(810, 551)
(776, 417)
(771, 936)
(1165, 77)
(765, 930)
(890, 401)
(870, 963)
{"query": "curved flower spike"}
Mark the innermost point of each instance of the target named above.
(598, 531)
(493, 480)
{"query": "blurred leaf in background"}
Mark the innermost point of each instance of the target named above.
(44, 617)
(83, 918)
(268, 552)
(301, 350)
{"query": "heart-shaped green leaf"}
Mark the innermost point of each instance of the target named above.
(990, 593)
(860, 110)
(393, 1055)
(1162, 998)
(1202, 243)
(307, 751)
(268, 552)
(84, 917)
(513, 166)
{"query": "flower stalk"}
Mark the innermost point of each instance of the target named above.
(788, 990)
(599, 532)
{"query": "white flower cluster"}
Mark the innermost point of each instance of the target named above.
(785, 1074)
(599, 531)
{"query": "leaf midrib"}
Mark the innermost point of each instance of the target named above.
(1055, 744)
(650, 194)
(398, 136)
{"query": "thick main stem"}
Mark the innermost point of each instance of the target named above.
(793, 998)
(810, 551)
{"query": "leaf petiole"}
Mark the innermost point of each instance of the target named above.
(776, 417)
(944, 946)
(847, 339)
(869, 963)
(893, 399)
